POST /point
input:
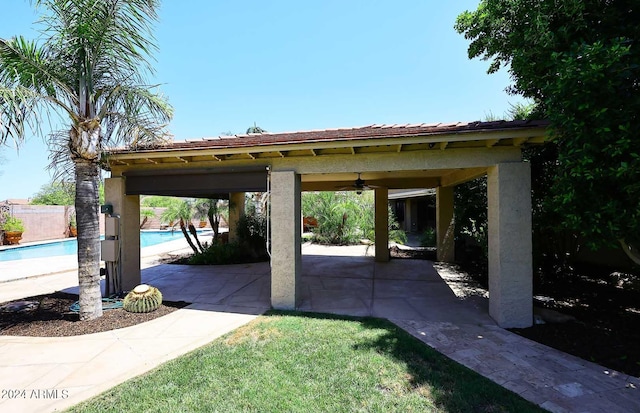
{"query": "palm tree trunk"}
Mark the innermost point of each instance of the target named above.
(183, 227)
(87, 176)
(214, 221)
(194, 232)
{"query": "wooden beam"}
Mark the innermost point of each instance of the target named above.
(519, 141)
(180, 158)
(443, 145)
(282, 154)
(399, 148)
(461, 176)
(491, 142)
(313, 152)
(392, 183)
(216, 158)
(353, 150)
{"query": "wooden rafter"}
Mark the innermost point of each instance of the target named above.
(519, 141)
(492, 142)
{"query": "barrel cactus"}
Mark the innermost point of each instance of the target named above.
(142, 299)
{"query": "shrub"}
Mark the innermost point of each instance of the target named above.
(218, 254)
(251, 245)
(12, 224)
(346, 218)
(428, 238)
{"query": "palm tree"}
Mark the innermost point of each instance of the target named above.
(214, 210)
(89, 71)
(183, 212)
(255, 129)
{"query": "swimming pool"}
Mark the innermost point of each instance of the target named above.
(68, 247)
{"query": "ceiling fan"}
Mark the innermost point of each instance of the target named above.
(358, 185)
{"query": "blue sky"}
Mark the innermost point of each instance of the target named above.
(291, 65)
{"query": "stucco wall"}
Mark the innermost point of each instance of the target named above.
(45, 222)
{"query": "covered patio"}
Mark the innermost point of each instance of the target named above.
(386, 157)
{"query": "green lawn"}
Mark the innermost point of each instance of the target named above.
(296, 362)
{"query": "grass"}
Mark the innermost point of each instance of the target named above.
(296, 362)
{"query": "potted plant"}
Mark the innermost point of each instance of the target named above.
(13, 228)
(73, 226)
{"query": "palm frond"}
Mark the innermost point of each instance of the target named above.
(135, 116)
(25, 64)
(19, 108)
(91, 66)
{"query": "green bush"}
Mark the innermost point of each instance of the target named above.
(251, 245)
(219, 254)
(346, 218)
(428, 238)
(12, 224)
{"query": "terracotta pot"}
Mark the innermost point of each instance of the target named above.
(12, 237)
(73, 231)
(202, 224)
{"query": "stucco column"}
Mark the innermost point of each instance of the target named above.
(510, 249)
(410, 215)
(382, 224)
(286, 248)
(236, 211)
(128, 209)
(445, 224)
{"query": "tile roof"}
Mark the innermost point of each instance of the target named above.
(371, 132)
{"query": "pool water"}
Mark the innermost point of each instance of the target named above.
(68, 247)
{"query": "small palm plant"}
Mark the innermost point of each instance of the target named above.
(213, 209)
(183, 212)
(146, 214)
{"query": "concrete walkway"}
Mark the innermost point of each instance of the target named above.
(423, 298)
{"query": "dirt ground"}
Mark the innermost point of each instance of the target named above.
(50, 316)
(606, 308)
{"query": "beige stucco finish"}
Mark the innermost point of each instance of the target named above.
(440, 158)
(381, 201)
(510, 244)
(445, 225)
(236, 211)
(286, 250)
(127, 207)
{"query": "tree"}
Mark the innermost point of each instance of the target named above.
(183, 212)
(55, 193)
(146, 214)
(212, 209)
(89, 71)
(578, 61)
(255, 129)
(60, 193)
(157, 201)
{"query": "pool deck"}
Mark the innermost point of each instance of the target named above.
(36, 267)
